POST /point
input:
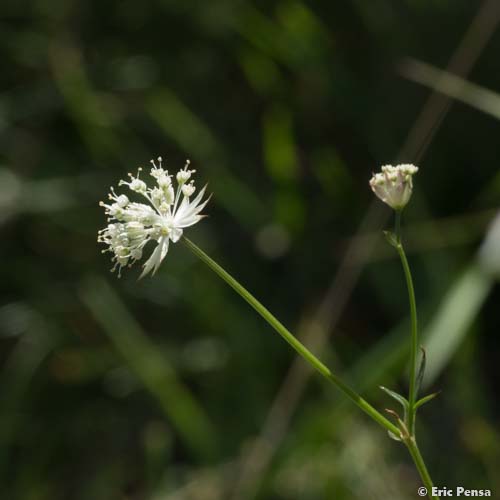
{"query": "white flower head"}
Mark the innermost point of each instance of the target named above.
(163, 218)
(394, 185)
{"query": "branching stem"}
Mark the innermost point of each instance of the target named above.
(410, 440)
(292, 340)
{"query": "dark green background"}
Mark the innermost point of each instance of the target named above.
(162, 388)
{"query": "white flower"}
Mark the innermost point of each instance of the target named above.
(161, 220)
(188, 189)
(394, 185)
(184, 175)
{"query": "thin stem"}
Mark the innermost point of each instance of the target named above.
(412, 446)
(414, 331)
(410, 440)
(397, 225)
(296, 344)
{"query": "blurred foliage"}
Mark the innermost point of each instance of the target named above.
(163, 388)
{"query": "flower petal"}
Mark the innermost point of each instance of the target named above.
(154, 261)
(190, 213)
(175, 234)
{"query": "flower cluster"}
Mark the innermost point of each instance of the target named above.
(168, 212)
(394, 184)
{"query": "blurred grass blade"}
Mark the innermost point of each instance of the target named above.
(442, 335)
(280, 150)
(448, 84)
(158, 377)
(19, 370)
(191, 134)
(84, 105)
(458, 310)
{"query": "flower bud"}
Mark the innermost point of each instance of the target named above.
(138, 186)
(169, 195)
(188, 189)
(164, 181)
(122, 201)
(394, 184)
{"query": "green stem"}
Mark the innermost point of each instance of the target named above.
(414, 331)
(296, 344)
(412, 446)
(410, 440)
(397, 225)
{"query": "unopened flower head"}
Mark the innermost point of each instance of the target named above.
(394, 185)
(164, 216)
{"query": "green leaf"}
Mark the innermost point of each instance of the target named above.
(426, 399)
(396, 396)
(391, 238)
(421, 371)
(393, 436)
(403, 431)
(400, 399)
